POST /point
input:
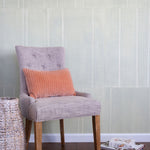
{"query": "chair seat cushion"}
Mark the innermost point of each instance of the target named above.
(44, 109)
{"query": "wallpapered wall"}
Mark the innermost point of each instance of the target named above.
(107, 45)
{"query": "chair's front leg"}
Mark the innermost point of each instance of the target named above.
(28, 131)
(96, 131)
(62, 132)
(38, 135)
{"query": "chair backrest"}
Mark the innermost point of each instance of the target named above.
(46, 58)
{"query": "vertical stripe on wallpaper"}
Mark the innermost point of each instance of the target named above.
(137, 41)
(119, 35)
(57, 3)
(62, 27)
(18, 5)
(75, 3)
(48, 26)
(148, 59)
(110, 111)
(4, 4)
(92, 51)
(83, 3)
(45, 26)
(26, 16)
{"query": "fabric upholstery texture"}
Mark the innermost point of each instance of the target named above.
(49, 83)
(52, 108)
(44, 109)
(37, 58)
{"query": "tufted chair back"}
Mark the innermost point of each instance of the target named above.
(46, 58)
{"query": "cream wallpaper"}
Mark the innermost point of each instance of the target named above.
(107, 45)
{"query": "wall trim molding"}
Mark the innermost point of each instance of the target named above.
(55, 138)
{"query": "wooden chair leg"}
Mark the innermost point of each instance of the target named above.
(38, 135)
(62, 132)
(28, 131)
(96, 131)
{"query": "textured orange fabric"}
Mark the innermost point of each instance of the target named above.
(49, 83)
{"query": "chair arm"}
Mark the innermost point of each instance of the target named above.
(25, 102)
(83, 94)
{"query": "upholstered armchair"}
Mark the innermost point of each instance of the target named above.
(52, 108)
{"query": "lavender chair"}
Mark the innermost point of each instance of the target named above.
(52, 108)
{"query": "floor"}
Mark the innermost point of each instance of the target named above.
(73, 146)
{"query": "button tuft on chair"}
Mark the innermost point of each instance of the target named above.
(43, 66)
(29, 65)
(34, 55)
(59, 65)
(49, 56)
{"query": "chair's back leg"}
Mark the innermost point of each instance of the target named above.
(38, 135)
(96, 131)
(28, 126)
(62, 132)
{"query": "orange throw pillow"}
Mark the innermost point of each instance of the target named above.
(49, 83)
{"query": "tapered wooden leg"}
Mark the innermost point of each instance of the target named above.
(62, 132)
(38, 135)
(28, 131)
(96, 131)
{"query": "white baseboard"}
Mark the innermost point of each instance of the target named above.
(74, 138)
